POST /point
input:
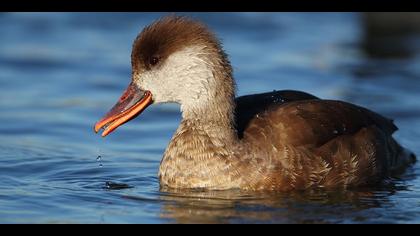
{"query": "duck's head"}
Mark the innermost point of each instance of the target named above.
(175, 59)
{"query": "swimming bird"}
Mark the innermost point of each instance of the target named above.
(276, 141)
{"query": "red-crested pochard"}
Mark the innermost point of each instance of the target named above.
(281, 140)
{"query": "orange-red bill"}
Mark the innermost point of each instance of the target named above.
(131, 104)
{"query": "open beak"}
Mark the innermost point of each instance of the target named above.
(131, 104)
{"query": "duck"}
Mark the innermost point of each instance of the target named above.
(283, 140)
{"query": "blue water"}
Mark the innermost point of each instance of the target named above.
(60, 72)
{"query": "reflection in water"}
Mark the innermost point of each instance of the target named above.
(390, 40)
(235, 206)
(389, 34)
(297, 207)
(389, 51)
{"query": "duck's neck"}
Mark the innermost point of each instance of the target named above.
(212, 112)
(202, 147)
(215, 120)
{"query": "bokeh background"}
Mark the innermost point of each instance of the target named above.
(60, 72)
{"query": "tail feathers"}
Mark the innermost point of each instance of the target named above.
(409, 156)
(404, 159)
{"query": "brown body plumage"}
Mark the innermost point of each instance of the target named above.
(282, 140)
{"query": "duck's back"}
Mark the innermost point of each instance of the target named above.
(247, 107)
(320, 142)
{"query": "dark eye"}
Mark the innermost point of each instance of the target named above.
(154, 61)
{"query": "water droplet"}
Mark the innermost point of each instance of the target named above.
(335, 132)
(278, 100)
(99, 159)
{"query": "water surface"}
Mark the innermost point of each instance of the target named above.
(60, 72)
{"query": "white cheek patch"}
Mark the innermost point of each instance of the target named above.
(185, 77)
